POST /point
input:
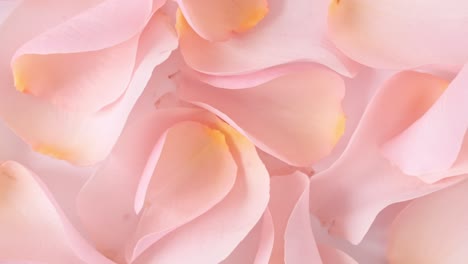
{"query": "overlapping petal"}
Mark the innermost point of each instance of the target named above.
(300, 22)
(217, 20)
(215, 241)
(401, 34)
(33, 228)
(348, 196)
(432, 144)
(165, 163)
(296, 117)
(73, 135)
(432, 229)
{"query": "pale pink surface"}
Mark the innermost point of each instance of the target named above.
(431, 145)
(301, 22)
(33, 227)
(165, 228)
(432, 229)
(218, 20)
(296, 117)
(59, 132)
(257, 246)
(348, 196)
(399, 33)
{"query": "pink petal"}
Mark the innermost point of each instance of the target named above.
(348, 196)
(42, 65)
(296, 117)
(217, 20)
(432, 144)
(77, 86)
(195, 171)
(256, 247)
(6, 7)
(302, 22)
(110, 220)
(211, 237)
(359, 91)
(84, 138)
(33, 227)
(432, 229)
(399, 33)
(335, 256)
(294, 240)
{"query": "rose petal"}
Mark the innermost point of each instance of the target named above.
(195, 171)
(432, 229)
(6, 7)
(221, 229)
(399, 33)
(335, 256)
(301, 22)
(348, 196)
(77, 86)
(217, 20)
(256, 247)
(432, 144)
(110, 220)
(84, 138)
(294, 240)
(33, 227)
(296, 117)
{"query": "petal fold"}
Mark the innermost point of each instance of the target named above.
(296, 117)
(217, 20)
(399, 34)
(432, 229)
(301, 22)
(432, 144)
(33, 227)
(348, 196)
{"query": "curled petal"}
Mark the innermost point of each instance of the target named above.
(33, 227)
(79, 137)
(257, 246)
(296, 117)
(348, 196)
(401, 34)
(289, 206)
(335, 256)
(110, 220)
(213, 241)
(432, 229)
(217, 20)
(194, 172)
(432, 144)
(301, 22)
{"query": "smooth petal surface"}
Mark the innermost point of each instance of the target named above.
(257, 246)
(6, 7)
(301, 22)
(94, 79)
(221, 229)
(289, 206)
(296, 117)
(349, 195)
(110, 220)
(73, 136)
(195, 171)
(41, 66)
(432, 144)
(33, 228)
(432, 229)
(217, 20)
(335, 256)
(401, 34)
